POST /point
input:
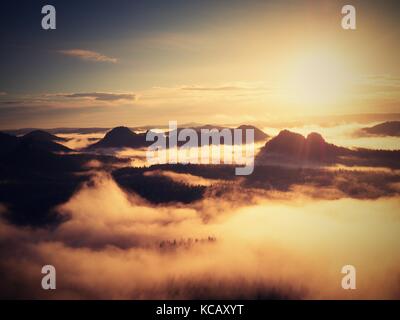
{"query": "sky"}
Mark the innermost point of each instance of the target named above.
(148, 62)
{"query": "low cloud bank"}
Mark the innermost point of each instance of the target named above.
(285, 246)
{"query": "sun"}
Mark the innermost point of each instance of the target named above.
(318, 78)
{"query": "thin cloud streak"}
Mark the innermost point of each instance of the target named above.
(102, 96)
(53, 101)
(88, 55)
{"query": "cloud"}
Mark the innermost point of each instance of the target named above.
(102, 96)
(339, 182)
(186, 178)
(88, 55)
(79, 141)
(291, 248)
(37, 104)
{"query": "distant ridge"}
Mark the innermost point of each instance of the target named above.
(41, 135)
(24, 131)
(36, 140)
(389, 128)
(124, 137)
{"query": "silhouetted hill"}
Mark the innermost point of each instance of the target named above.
(41, 145)
(121, 137)
(289, 148)
(8, 143)
(41, 135)
(37, 140)
(389, 128)
(293, 147)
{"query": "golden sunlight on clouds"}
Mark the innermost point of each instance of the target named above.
(290, 245)
(270, 61)
(122, 218)
(88, 55)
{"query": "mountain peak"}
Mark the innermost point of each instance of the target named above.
(120, 131)
(41, 135)
(293, 146)
(121, 137)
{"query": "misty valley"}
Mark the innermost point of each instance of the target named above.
(191, 151)
(102, 201)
